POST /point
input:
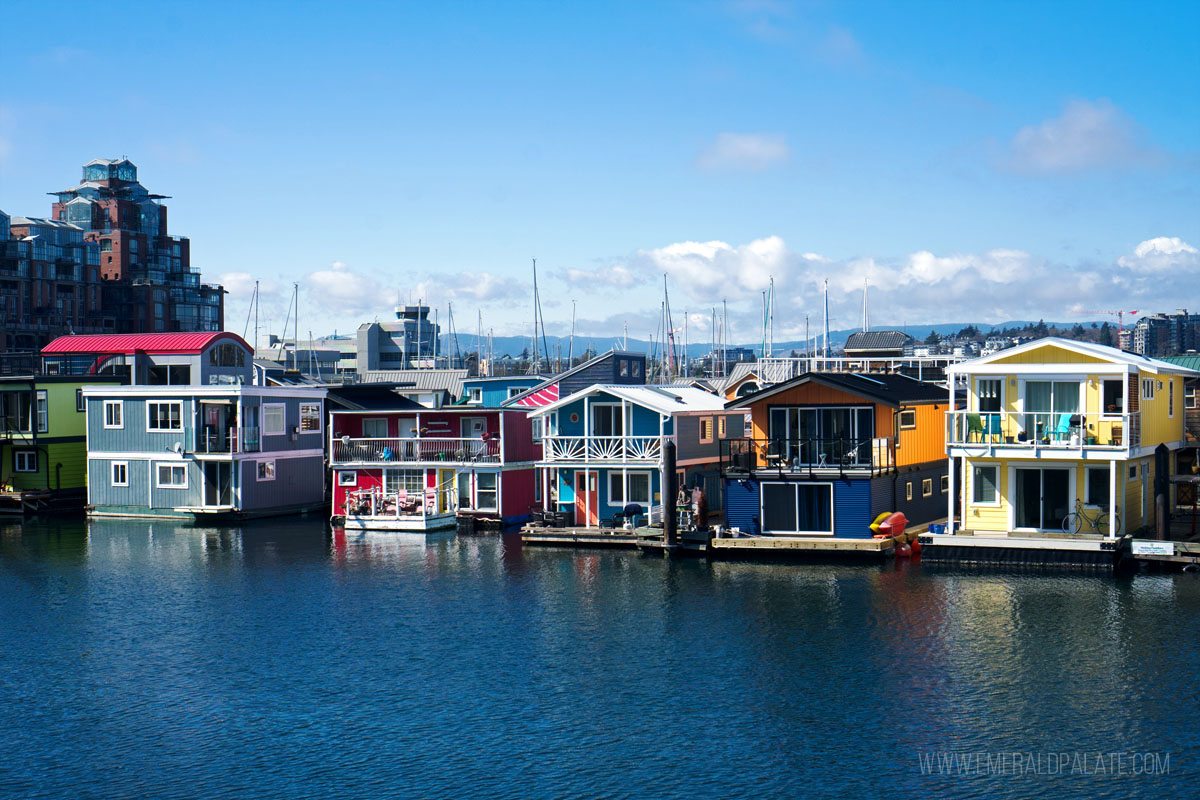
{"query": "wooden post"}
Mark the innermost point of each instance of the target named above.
(669, 489)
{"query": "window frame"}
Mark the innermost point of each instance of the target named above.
(177, 403)
(41, 410)
(1087, 472)
(80, 403)
(1147, 388)
(1104, 412)
(479, 490)
(927, 487)
(908, 491)
(795, 486)
(26, 456)
(706, 423)
(318, 417)
(945, 484)
(171, 465)
(975, 485)
(119, 405)
(341, 477)
(261, 475)
(112, 473)
(1170, 398)
(979, 396)
(263, 430)
(900, 421)
(722, 427)
(475, 395)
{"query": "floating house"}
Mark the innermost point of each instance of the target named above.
(830, 452)
(43, 442)
(616, 367)
(1060, 436)
(603, 449)
(191, 437)
(492, 392)
(414, 469)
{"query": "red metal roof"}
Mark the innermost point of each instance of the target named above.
(143, 342)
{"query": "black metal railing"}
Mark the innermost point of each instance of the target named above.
(813, 457)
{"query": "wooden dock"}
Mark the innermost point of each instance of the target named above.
(1024, 550)
(790, 546)
(581, 537)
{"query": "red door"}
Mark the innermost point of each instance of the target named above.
(587, 499)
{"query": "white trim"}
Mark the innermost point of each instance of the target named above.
(26, 452)
(180, 429)
(206, 390)
(41, 400)
(1110, 356)
(320, 419)
(970, 493)
(158, 484)
(259, 463)
(1087, 469)
(120, 406)
(795, 499)
(1124, 381)
(311, 452)
(1072, 467)
(112, 473)
(385, 421)
(341, 482)
(262, 420)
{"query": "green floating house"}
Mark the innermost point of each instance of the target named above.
(43, 442)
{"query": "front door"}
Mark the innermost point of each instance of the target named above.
(1043, 498)
(218, 483)
(587, 499)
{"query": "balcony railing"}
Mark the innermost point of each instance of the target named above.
(415, 450)
(586, 449)
(875, 455)
(227, 440)
(1038, 430)
(379, 504)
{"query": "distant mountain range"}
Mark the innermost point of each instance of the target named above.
(515, 345)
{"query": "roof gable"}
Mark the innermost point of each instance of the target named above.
(891, 389)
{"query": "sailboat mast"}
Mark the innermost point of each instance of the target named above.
(825, 327)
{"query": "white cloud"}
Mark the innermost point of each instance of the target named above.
(710, 271)
(1162, 254)
(753, 152)
(343, 291)
(617, 277)
(1087, 135)
(479, 287)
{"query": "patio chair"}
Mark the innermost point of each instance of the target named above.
(994, 428)
(1062, 430)
(975, 427)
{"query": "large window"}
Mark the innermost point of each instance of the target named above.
(631, 487)
(410, 481)
(797, 508)
(1113, 399)
(823, 436)
(485, 491)
(274, 419)
(310, 417)
(607, 420)
(985, 485)
(375, 428)
(164, 415)
(171, 476)
(226, 355)
(25, 461)
(113, 416)
(1097, 486)
(1047, 402)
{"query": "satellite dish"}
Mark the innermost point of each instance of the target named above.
(345, 439)
(179, 448)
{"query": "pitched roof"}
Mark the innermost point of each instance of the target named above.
(663, 399)
(1100, 351)
(448, 380)
(516, 399)
(1190, 362)
(877, 340)
(128, 343)
(891, 388)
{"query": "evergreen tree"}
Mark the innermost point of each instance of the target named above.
(1106, 335)
(932, 338)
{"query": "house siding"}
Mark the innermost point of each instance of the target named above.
(298, 481)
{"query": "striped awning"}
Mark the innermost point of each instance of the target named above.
(541, 398)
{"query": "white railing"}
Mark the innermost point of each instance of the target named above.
(1035, 430)
(587, 449)
(779, 369)
(415, 450)
(400, 505)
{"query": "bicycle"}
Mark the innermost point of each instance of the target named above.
(1073, 522)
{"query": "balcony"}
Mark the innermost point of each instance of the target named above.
(1035, 433)
(216, 441)
(810, 457)
(603, 449)
(416, 450)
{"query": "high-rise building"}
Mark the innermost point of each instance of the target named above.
(49, 286)
(1166, 334)
(150, 284)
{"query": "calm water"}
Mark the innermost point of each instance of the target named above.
(146, 659)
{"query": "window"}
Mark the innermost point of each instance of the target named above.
(79, 404)
(945, 484)
(797, 508)
(706, 430)
(908, 419)
(616, 489)
(266, 470)
(625, 488)
(476, 394)
(485, 491)
(635, 368)
(538, 426)
(1113, 399)
(513, 391)
(164, 415)
(346, 477)
(120, 473)
(410, 481)
(274, 419)
(988, 393)
(43, 411)
(112, 414)
(106, 245)
(1191, 398)
(908, 490)
(1171, 397)
(607, 420)
(226, 355)
(464, 490)
(721, 427)
(927, 487)
(374, 428)
(171, 476)
(310, 417)
(1096, 490)
(623, 368)
(984, 485)
(1147, 388)
(25, 461)
(1133, 472)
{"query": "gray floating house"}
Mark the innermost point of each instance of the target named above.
(191, 437)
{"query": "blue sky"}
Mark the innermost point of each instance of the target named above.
(971, 161)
